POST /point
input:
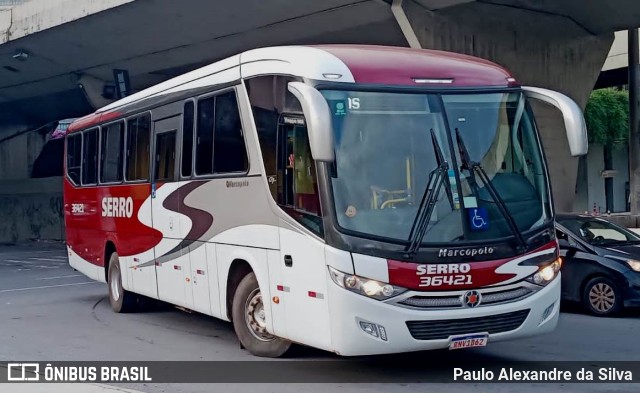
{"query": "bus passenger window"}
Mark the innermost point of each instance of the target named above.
(187, 140)
(74, 157)
(90, 157)
(204, 137)
(138, 137)
(165, 156)
(111, 155)
(230, 153)
(220, 144)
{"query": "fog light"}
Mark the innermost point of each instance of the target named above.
(369, 328)
(377, 331)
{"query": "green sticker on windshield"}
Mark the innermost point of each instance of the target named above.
(339, 108)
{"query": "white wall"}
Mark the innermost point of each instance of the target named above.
(618, 55)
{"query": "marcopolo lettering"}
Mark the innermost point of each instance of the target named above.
(465, 252)
(237, 184)
(117, 207)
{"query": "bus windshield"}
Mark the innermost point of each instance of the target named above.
(388, 145)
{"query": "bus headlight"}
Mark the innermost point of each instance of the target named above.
(546, 273)
(364, 286)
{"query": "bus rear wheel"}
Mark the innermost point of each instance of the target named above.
(121, 300)
(249, 321)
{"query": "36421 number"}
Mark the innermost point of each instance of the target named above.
(436, 281)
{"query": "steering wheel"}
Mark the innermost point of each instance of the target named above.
(598, 239)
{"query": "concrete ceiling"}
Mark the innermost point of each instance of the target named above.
(158, 39)
(594, 16)
(148, 37)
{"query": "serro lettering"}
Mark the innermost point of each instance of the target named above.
(443, 269)
(117, 207)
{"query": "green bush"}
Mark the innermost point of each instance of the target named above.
(607, 116)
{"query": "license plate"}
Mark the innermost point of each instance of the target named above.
(469, 341)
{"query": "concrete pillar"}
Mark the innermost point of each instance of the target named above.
(30, 209)
(539, 49)
(19, 148)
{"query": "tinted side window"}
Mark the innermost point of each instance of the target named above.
(74, 157)
(90, 157)
(112, 148)
(269, 99)
(138, 137)
(204, 136)
(187, 139)
(165, 156)
(230, 154)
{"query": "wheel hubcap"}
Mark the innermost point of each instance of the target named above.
(255, 316)
(602, 297)
(115, 284)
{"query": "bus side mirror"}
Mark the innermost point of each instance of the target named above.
(318, 118)
(573, 118)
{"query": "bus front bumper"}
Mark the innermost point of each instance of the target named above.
(355, 314)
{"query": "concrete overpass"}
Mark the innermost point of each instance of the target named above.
(615, 71)
(56, 56)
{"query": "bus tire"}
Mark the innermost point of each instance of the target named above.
(249, 321)
(122, 301)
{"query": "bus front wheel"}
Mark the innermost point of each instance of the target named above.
(121, 300)
(249, 321)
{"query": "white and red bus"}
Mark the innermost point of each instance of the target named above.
(357, 199)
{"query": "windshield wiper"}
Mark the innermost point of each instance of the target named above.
(428, 202)
(474, 167)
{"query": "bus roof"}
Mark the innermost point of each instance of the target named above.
(362, 64)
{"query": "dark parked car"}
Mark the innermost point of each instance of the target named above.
(601, 263)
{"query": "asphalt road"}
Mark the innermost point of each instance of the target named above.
(49, 312)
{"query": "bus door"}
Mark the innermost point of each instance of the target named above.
(302, 255)
(171, 262)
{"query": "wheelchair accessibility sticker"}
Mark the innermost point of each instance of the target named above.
(478, 219)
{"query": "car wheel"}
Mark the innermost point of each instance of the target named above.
(602, 297)
(122, 301)
(249, 321)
